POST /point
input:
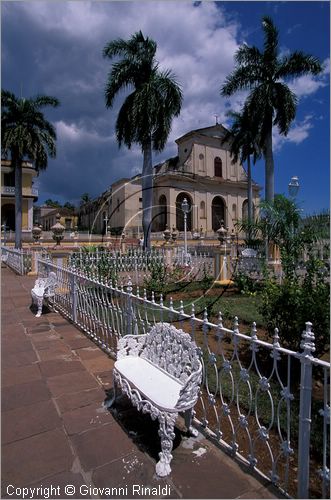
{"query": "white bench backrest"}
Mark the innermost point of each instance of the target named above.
(48, 284)
(172, 350)
(249, 252)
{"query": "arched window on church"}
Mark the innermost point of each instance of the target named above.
(201, 162)
(218, 167)
(180, 213)
(162, 216)
(234, 212)
(217, 212)
(202, 210)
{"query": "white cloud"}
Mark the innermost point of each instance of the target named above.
(297, 134)
(72, 132)
(308, 84)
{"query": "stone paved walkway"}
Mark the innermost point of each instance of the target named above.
(55, 431)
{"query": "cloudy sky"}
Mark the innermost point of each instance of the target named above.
(55, 48)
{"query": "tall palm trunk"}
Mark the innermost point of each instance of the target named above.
(147, 193)
(17, 164)
(249, 194)
(269, 166)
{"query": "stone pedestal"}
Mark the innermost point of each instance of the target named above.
(222, 265)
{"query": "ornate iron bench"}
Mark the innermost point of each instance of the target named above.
(161, 373)
(44, 288)
(249, 252)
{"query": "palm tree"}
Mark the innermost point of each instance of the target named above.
(25, 134)
(146, 114)
(270, 100)
(243, 140)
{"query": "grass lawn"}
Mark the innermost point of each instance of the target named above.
(244, 306)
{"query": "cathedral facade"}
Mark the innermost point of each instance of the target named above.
(203, 174)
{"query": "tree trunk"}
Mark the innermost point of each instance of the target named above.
(17, 164)
(269, 167)
(147, 194)
(249, 194)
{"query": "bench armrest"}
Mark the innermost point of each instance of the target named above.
(189, 392)
(132, 345)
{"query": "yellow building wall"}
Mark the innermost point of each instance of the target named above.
(24, 214)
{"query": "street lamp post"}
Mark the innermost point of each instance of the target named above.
(293, 187)
(186, 208)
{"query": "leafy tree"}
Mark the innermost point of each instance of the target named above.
(53, 203)
(304, 293)
(69, 206)
(243, 140)
(146, 114)
(270, 101)
(85, 198)
(25, 134)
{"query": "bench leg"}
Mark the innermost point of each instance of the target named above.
(188, 415)
(38, 301)
(166, 432)
(109, 402)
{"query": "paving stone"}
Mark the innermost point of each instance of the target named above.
(86, 418)
(18, 396)
(69, 402)
(33, 419)
(30, 460)
(105, 379)
(225, 478)
(60, 322)
(69, 332)
(19, 359)
(54, 367)
(78, 343)
(38, 329)
(100, 446)
(57, 484)
(40, 340)
(132, 476)
(14, 345)
(99, 364)
(90, 352)
(56, 350)
(71, 382)
(19, 375)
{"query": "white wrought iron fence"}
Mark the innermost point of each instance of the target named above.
(18, 260)
(265, 404)
(108, 265)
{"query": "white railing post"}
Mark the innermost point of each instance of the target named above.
(74, 297)
(308, 347)
(129, 307)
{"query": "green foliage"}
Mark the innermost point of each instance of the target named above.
(116, 231)
(69, 206)
(52, 203)
(288, 306)
(245, 284)
(158, 277)
(85, 198)
(207, 279)
(270, 101)
(25, 134)
(146, 114)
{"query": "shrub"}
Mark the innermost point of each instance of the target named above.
(288, 306)
(245, 283)
(158, 277)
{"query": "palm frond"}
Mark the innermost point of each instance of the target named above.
(297, 64)
(270, 39)
(284, 104)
